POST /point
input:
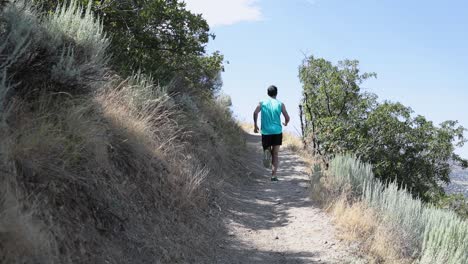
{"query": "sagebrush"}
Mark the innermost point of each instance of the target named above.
(415, 231)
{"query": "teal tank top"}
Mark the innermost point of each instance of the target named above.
(271, 116)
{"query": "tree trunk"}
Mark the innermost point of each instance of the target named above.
(303, 129)
(314, 140)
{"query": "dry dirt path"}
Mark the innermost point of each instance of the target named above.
(276, 222)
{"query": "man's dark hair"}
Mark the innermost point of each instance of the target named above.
(272, 91)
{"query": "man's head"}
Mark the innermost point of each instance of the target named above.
(272, 91)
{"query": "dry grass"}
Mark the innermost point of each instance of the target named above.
(389, 247)
(292, 142)
(247, 127)
(130, 176)
(103, 169)
(358, 222)
(102, 160)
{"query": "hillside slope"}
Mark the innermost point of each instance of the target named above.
(101, 168)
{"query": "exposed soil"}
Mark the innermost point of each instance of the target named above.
(276, 222)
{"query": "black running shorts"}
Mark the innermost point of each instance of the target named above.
(272, 140)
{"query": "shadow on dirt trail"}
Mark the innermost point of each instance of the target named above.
(276, 222)
(256, 202)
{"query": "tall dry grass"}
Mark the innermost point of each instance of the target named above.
(100, 168)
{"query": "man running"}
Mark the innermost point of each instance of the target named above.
(272, 131)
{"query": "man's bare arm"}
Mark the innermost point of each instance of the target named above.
(255, 117)
(286, 115)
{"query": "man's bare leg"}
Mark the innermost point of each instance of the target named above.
(275, 160)
(267, 150)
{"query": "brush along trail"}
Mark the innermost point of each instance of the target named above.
(276, 222)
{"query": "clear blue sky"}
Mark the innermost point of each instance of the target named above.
(419, 49)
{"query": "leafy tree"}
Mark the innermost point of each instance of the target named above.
(409, 150)
(158, 37)
(202, 73)
(332, 99)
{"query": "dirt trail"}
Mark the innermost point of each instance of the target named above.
(276, 222)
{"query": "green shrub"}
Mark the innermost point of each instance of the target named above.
(348, 172)
(402, 147)
(445, 237)
(316, 184)
(88, 55)
(430, 235)
(144, 94)
(67, 47)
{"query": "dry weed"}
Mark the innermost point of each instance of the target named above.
(388, 245)
(292, 142)
(358, 222)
